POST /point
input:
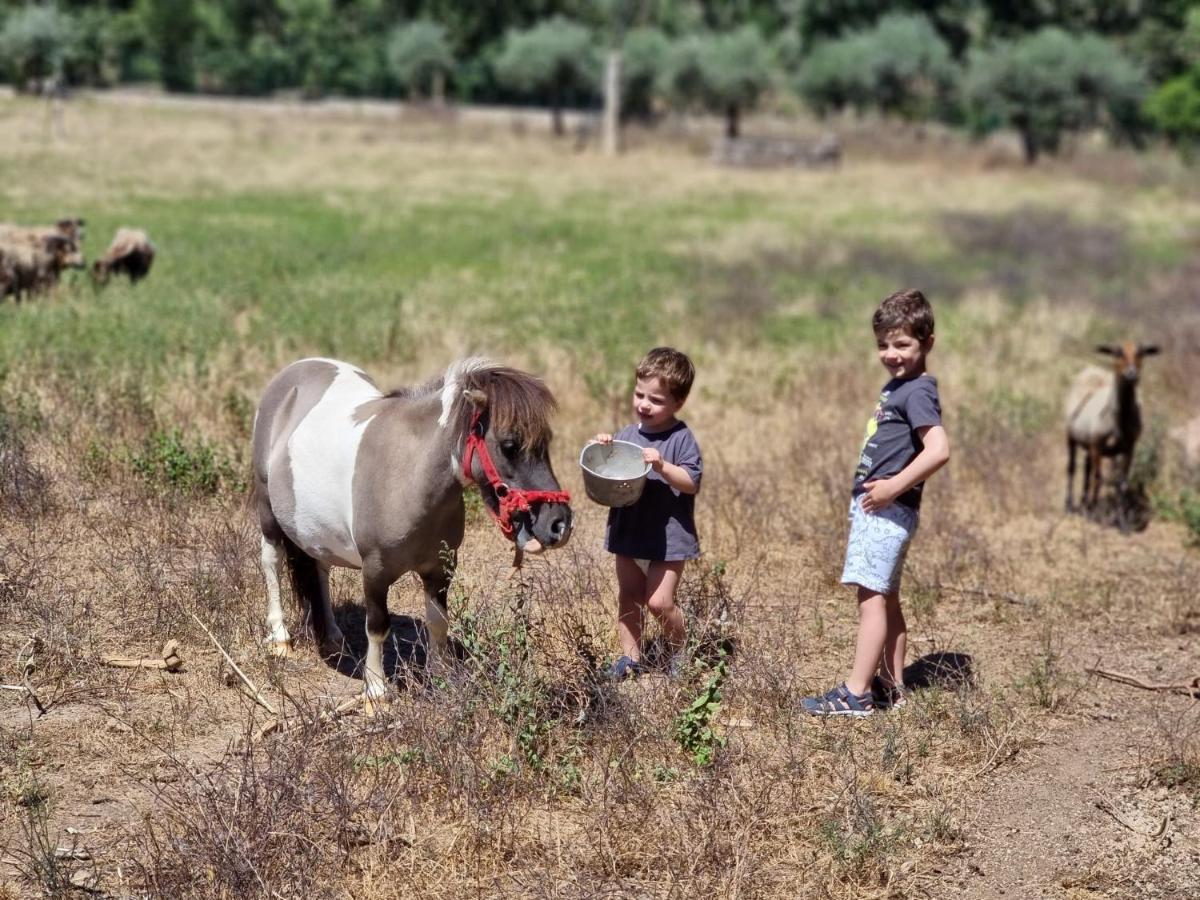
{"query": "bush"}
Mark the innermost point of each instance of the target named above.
(1174, 109)
(900, 67)
(419, 54)
(642, 56)
(1051, 83)
(168, 459)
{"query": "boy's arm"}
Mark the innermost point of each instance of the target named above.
(936, 453)
(676, 476)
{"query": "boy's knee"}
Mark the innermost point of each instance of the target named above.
(661, 604)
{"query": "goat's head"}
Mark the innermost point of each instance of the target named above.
(1127, 357)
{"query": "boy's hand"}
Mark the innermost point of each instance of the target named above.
(603, 438)
(653, 457)
(879, 495)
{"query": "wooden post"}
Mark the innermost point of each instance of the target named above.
(612, 103)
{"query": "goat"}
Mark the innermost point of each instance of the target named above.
(130, 252)
(1103, 416)
(71, 227)
(34, 264)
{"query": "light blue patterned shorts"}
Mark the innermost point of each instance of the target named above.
(877, 546)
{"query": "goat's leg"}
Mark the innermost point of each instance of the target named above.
(1093, 467)
(1070, 474)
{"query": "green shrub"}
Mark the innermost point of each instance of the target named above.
(723, 73)
(552, 60)
(35, 44)
(1174, 109)
(170, 460)
(642, 56)
(419, 56)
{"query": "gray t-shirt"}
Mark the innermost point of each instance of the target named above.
(661, 525)
(891, 441)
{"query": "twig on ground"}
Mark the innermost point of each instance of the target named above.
(255, 694)
(1018, 599)
(1188, 689)
(1106, 805)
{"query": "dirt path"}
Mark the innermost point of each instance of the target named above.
(1081, 815)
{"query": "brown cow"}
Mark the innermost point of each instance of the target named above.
(130, 253)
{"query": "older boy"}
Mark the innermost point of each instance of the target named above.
(904, 444)
(654, 537)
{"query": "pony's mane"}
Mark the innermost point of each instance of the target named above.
(517, 402)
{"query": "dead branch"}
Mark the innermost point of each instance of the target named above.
(344, 708)
(169, 658)
(1188, 689)
(255, 694)
(1018, 599)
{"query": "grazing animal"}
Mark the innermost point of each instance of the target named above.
(345, 475)
(131, 253)
(34, 264)
(1103, 416)
(68, 227)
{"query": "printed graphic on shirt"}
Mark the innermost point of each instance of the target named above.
(879, 415)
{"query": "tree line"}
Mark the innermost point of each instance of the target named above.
(1044, 68)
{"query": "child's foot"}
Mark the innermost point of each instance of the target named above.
(624, 667)
(887, 695)
(840, 701)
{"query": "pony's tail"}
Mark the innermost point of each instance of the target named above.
(306, 586)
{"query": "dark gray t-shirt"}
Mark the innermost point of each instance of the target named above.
(891, 441)
(662, 524)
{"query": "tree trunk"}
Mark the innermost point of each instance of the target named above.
(612, 103)
(733, 122)
(437, 90)
(1030, 146)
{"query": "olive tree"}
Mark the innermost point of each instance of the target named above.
(35, 44)
(551, 59)
(419, 54)
(724, 72)
(1051, 83)
(900, 66)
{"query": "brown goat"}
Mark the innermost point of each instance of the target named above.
(34, 264)
(130, 253)
(1103, 416)
(71, 227)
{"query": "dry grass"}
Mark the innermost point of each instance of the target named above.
(518, 772)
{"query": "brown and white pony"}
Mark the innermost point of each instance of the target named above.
(345, 475)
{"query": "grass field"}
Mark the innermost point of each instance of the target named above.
(403, 244)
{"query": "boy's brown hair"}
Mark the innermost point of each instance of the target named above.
(673, 367)
(907, 309)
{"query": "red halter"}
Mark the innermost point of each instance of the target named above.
(511, 499)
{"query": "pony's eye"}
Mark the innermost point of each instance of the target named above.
(509, 446)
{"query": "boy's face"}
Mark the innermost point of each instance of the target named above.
(902, 354)
(653, 404)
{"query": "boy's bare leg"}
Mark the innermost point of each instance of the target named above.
(896, 645)
(872, 636)
(661, 584)
(631, 595)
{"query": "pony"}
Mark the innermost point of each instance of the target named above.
(345, 475)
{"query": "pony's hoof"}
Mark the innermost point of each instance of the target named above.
(279, 649)
(373, 706)
(334, 645)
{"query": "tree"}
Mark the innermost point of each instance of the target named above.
(1052, 82)
(725, 72)
(35, 45)
(171, 27)
(643, 54)
(553, 59)
(419, 54)
(1174, 109)
(901, 67)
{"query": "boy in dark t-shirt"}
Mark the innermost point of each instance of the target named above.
(905, 443)
(654, 537)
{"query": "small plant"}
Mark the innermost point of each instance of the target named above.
(1046, 681)
(693, 727)
(167, 458)
(38, 860)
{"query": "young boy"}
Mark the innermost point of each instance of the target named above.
(904, 444)
(653, 537)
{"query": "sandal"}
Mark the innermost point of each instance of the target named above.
(839, 701)
(887, 696)
(624, 667)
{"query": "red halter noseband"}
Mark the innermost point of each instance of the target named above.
(511, 499)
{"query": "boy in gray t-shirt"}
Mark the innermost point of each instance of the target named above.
(654, 537)
(905, 443)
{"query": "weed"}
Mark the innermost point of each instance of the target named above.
(1047, 683)
(693, 731)
(193, 466)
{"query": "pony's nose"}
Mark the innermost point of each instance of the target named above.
(560, 525)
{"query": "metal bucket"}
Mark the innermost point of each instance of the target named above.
(614, 474)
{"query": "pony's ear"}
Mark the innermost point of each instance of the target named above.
(1108, 349)
(477, 397)
(1149, 350)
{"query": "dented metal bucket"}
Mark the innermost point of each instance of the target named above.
(613, 474)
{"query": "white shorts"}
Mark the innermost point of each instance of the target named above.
(877, 546)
